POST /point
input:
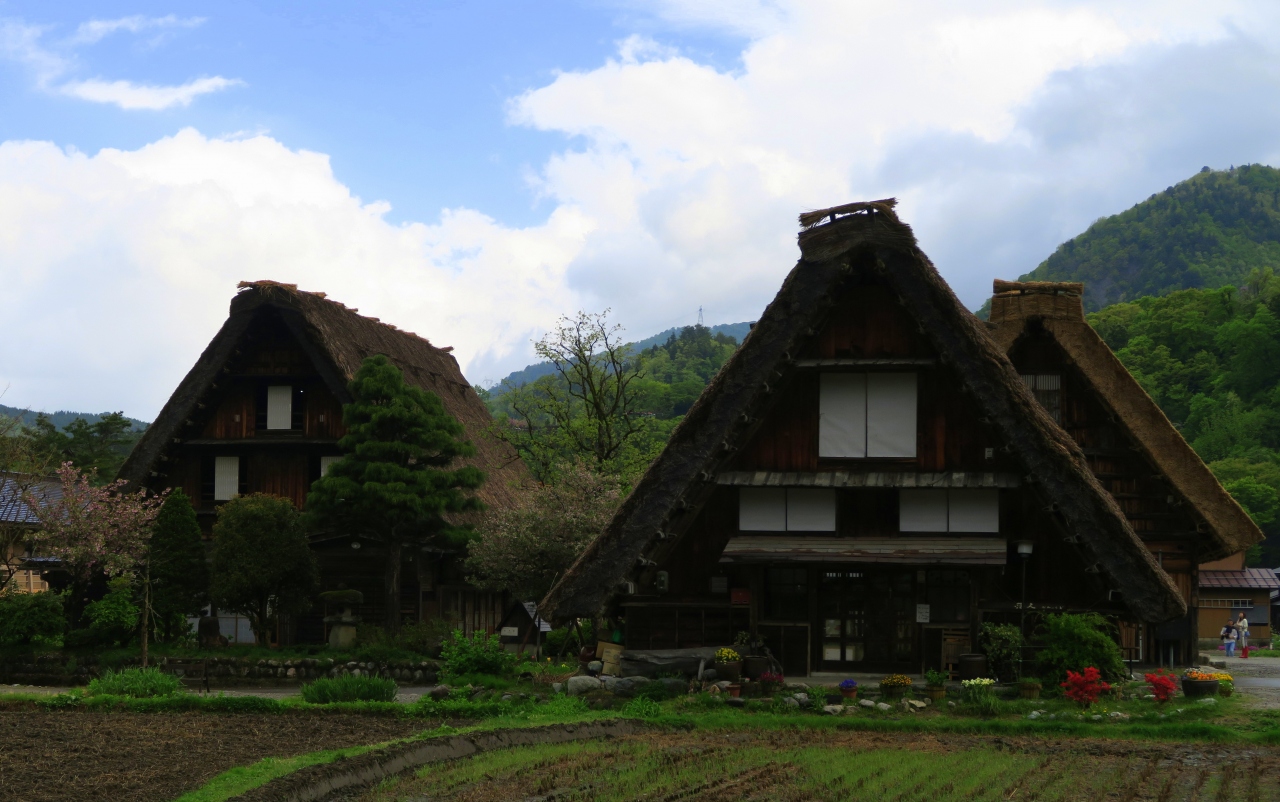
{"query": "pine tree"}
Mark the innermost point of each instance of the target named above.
(179, 566)
(394, 483)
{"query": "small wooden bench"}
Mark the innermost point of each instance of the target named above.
(188, 670)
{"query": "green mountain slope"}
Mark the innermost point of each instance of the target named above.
(1208, 231)
(1211, 359)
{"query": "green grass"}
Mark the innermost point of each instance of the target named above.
(137, 683)
(234, 782)
(350, 688)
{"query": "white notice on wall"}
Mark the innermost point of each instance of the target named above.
(510, 632)
(922, 613)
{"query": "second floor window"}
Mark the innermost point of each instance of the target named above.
(1047, 388)
(867, 415)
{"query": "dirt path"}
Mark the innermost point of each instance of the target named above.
(94, 755)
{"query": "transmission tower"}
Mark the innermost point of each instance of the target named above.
(699, 315)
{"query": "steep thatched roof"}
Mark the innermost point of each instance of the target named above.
(864, 236)
(1056, 309)
(337, 340)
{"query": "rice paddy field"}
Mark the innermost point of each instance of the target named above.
(806, 765)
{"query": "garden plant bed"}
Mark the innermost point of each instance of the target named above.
(94, 755)
(832, 764)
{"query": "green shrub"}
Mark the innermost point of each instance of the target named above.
(114, 618)
(1002, 644)
(478, 654)
(656, 691)
(350, 689)
(1075, 641)
(640, 707)
(27, 617)
(137, 683)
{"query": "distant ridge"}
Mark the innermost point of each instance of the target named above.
(61, 418)
(738, 331)
(1208, 231)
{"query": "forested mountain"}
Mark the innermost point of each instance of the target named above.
(1208, 231)
(62, 418)
(737, 331)
(1211, 360)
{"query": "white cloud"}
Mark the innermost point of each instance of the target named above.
(96, 30)
(52, 66)
(128, 95)
(120, 265)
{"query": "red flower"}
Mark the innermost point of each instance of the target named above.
(1085, 687)
(1163, 685)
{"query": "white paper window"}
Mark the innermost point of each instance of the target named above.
(842, 415)
(762, 509)
(811, 510)
(922, 510)
(891, 415)
(226, 478)
(280, 407)
(973, 510)
(326, 463)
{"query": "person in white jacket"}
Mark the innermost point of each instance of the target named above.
(1242, 627)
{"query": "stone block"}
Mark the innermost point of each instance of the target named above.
(577, 686)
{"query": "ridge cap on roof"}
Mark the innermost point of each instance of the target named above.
(279, 290)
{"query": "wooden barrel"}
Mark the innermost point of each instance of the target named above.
(973, 666)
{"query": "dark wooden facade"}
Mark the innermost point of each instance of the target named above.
(859, 609)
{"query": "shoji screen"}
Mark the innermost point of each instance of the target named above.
(891, 415)
(842, 415)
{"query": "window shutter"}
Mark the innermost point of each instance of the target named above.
(922, 510)
(326, 463)
(280, 407)
(975, 510)
(811, 510)
(891, 415)
(762, 509)
(842, 415)
(226, 478)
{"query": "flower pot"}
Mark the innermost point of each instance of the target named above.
(1224, 691)
(849, 693)
(753, 667)
(1199, 687)
(730, 671)
(735, 690)
(892, 693)
(1028, 691)
(935, 693)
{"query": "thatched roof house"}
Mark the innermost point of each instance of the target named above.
(261, 411)
(859, 267)
(1053, 313)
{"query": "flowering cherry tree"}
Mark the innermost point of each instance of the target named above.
(91, 529)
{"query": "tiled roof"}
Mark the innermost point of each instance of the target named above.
(13, 510)
(1250, 578)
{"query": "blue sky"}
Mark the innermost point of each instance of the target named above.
(471, 171)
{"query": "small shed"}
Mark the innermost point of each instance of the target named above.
(523, 629)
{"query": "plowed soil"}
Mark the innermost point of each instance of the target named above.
(92, 755)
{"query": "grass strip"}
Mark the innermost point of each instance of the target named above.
(240, 779)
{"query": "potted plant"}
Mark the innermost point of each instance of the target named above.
(728, 664)
(935, 685)
(894, 686)
(849, 689)
(770, 682)
(1226, 687)
(1029, 688)
(1200, 683)
(735, 690)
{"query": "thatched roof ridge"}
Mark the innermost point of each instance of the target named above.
(337, 339)
(1014, 311)
(734, 402)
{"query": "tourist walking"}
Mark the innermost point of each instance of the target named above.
(1229, 637)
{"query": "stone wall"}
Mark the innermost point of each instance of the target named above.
(56, 669)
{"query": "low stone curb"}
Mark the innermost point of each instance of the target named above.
(318, 782)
